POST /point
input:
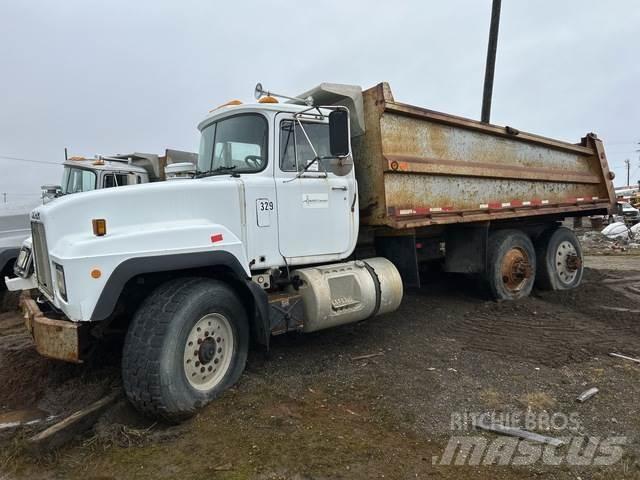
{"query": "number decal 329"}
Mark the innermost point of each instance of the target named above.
(265, 205)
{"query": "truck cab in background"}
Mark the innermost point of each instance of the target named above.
(106, 171)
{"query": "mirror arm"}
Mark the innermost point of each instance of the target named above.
(308, 139)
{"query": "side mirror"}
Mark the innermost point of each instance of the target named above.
(339, 133)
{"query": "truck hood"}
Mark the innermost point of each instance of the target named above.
(166, 207)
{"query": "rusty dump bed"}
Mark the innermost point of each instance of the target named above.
(416, 167)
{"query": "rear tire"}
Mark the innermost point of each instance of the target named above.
(560, 262)
(187, 343)
(511, 265)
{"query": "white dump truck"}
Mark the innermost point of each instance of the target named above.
(304, 215)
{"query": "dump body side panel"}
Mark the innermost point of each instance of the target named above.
(417, 167)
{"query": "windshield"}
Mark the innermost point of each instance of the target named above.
(236, 144)
(295, 151)
(75, 180)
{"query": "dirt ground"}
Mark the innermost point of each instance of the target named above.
(311, 409)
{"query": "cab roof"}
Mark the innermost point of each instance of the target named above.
(104, 164)
(250, 107)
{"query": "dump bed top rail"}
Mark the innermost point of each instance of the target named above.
(418, 167)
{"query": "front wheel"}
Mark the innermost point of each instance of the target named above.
(187, 343)
(511, 265)
(560, 265)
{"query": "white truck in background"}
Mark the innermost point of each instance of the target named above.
(303, 216)
(82, 174)
(15, 227)
(105, 171)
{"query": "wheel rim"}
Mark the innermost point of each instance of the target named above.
(515, 269)
(567, 262)
(208, 351)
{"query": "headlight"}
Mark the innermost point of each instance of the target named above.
(62, 287)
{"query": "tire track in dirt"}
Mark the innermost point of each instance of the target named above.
(553, 328)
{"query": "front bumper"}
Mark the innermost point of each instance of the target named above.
(18, 283)
(59, 339)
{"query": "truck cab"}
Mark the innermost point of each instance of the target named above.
(284, 186)
(85, 175)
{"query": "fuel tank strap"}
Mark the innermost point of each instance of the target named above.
(376, 281)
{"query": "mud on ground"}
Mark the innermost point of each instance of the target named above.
(309, 410)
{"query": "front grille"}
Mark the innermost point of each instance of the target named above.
(41, 257)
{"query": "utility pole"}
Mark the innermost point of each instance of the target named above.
(491, 61)
(627, 164)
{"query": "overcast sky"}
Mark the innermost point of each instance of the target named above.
(120, 76)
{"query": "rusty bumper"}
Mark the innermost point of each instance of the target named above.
(59, 339)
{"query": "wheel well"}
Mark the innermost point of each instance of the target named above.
(137, 288)
(7, 270)
(466, 245)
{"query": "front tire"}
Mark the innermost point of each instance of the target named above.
(511, 265)
(187, 343)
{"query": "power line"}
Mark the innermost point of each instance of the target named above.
(22, 194)
(20, 159)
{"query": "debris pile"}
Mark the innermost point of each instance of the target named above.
(616, 237)
(620, 230)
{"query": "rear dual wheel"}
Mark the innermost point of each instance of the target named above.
(560, 264)
(511, 265)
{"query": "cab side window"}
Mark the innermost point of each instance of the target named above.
(295, 150)
(115, 180)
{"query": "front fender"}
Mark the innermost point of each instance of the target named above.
(256, 299)
(95, 266)
(159, 263)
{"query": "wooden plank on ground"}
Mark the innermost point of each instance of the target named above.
(517, 432)
(63, 431)
(624, 357)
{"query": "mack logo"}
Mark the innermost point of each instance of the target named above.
(35, 215)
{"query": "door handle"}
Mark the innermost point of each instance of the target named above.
(344, 189)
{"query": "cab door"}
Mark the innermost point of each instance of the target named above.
(317, 210)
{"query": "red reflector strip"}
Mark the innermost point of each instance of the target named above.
(216, 238)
